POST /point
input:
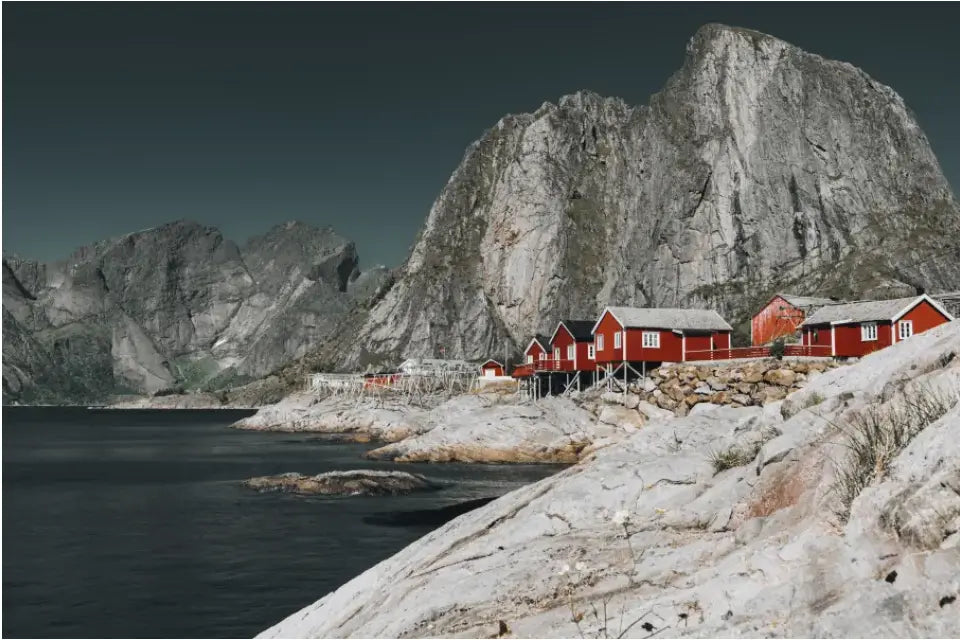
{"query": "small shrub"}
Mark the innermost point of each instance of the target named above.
(733, 457)
(813, 400)
(778, 348)
(875, 436)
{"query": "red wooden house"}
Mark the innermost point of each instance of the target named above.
(537, 350)
(491, 368)
(858, 328)
(572, 343)
(629, 334)
(782, 316)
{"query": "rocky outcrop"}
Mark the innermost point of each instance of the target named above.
(178, 306)
(758, 167)
(492, 428)
(667, 534)
(362, 419)
(342, 483)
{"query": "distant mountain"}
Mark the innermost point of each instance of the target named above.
(759, 167)
(174, 307)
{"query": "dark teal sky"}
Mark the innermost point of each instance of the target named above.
(118, 117)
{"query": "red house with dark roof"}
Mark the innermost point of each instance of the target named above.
(858, 328)
(782, 316)
(572, 343)
(537, 350)
(630, 334)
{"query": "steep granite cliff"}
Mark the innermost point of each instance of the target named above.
(759, 166)
(174, 306)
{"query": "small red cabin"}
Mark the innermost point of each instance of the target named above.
(629, 334)
(491, 368)
(572, 347)
(858, 328)
(537, 350)
(782, 317)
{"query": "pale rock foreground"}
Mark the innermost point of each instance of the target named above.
(364, 419)
(643, 537)
(496, 428)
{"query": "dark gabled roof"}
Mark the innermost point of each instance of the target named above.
(582, 330)
(542, 339)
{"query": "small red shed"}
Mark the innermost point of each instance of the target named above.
(491, 368)
(630, 334)
(856, 329)
(782, 317)
(573, 348)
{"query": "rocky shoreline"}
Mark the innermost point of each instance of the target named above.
(726, 521)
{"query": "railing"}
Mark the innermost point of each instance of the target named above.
(729, 354)
(523, 371)
(549, 364)
(805, 350)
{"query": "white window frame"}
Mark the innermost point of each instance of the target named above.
(904, 324)
(591, 352)
(617, 339)
(651, 340)
(556, 353)
(571, 351)
(599, 342)
(868, 331)
(529, 358)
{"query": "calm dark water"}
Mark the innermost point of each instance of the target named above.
(133, 523)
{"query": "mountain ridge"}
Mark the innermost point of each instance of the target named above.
(758, 166)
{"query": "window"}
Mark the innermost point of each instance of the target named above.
(529, 358)
(651, 339)
(599, 342)
(556, 353)
(591, 352)
(906, 329)
(571, 351)
(617, 340)
(543, 356)
(868, 331)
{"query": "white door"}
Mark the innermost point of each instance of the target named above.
(490, 373)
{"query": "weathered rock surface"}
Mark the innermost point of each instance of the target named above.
(175, 307)
(371, 418)
(345, 483)
(493, 429)
(644, 536)
(758, 167)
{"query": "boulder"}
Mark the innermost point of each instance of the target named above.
(631, 400)
(781, 377)
(703, 390)
(620, 416)
(349, 483)
(652, 412)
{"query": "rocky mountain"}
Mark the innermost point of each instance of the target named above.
(174, 306)
(758, 167)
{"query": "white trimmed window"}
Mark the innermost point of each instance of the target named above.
(868, 331)
(543, 356)
(556, 353)
(571, 351)
(591, 352)
(617, 339)
(905, 329)
(599, 342)
(529, 358)
(651, 340)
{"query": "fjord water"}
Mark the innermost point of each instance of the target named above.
(134, 523)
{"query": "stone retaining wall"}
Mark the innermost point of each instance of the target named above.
(680, 387)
